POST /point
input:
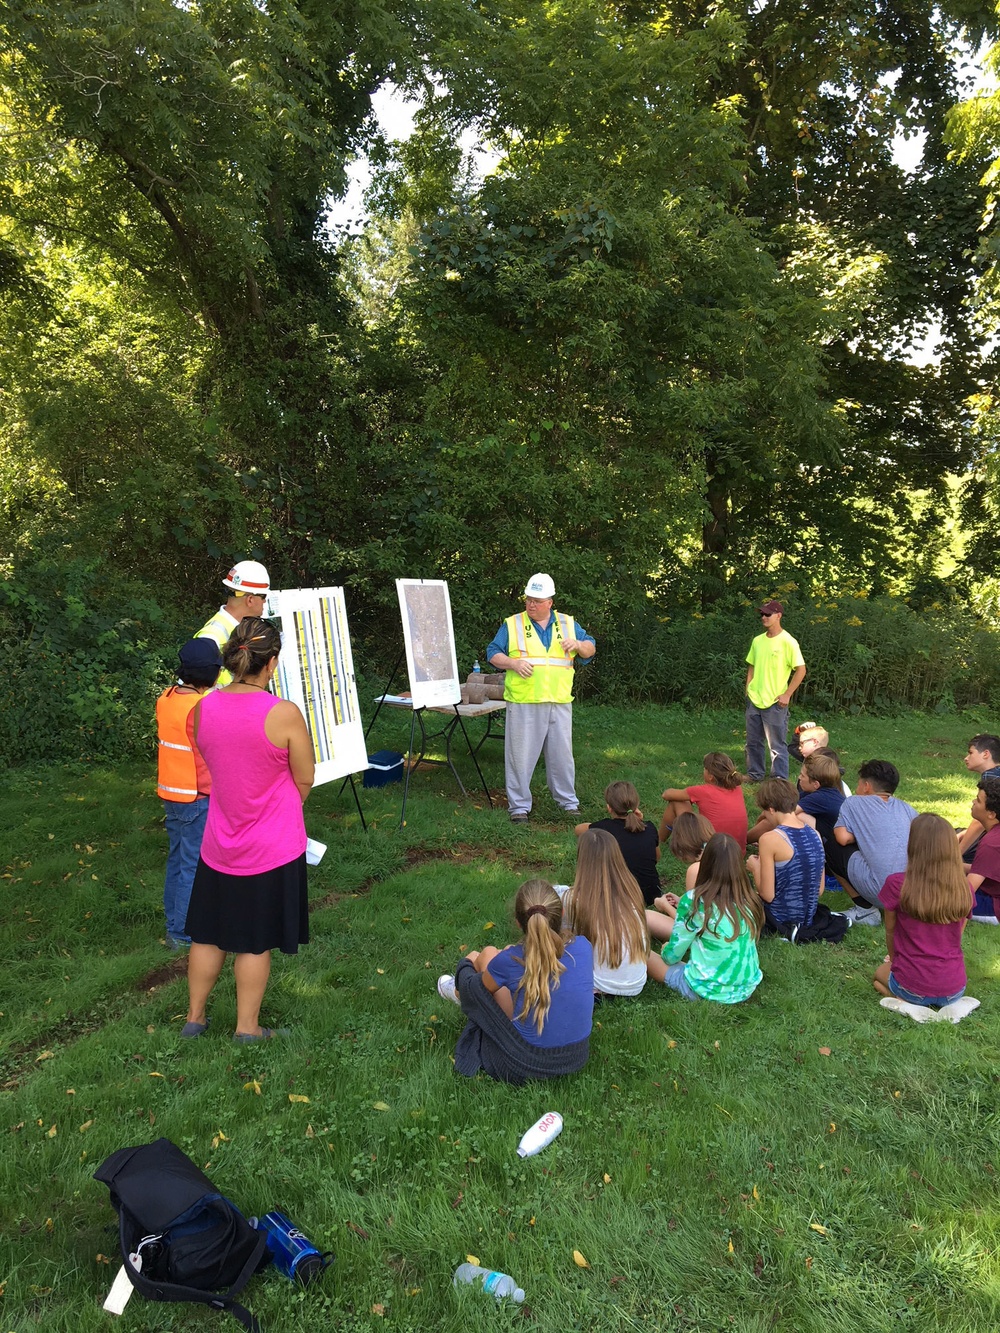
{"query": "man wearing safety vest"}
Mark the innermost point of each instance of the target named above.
(183, 781)
(537, 649)
(250, 583)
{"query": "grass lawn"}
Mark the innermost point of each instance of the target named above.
(806, 1161)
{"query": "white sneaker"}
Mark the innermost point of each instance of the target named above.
(920, 1013)
(984, 921)
(446, 988)
(863, 916)
(958, 1009)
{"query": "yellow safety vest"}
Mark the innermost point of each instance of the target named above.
(551, 682)
(219, 628)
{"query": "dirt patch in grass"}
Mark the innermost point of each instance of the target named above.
(168, 971)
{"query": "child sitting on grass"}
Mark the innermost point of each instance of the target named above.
(530, 1006)
(719, 798)
(926, 908)
(984, 873)
(637, 837)
(605, 906)
(687, 842)
(788, 871)
(716, 926)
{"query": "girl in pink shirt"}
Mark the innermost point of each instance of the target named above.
(926, 909)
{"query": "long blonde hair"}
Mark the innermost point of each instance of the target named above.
(538, 911)
(605, 903)
(934, 887)
(723, 883)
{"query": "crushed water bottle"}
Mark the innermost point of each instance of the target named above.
(498, 1285)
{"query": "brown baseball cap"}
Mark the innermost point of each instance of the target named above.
(771, 609)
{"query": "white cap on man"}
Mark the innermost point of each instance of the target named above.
(248, 576)
(540, 585)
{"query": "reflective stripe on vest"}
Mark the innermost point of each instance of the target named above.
(177, 778)
(550, 682)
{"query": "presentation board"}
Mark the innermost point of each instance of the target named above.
(316, 671)
(431, 663)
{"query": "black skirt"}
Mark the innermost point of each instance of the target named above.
(250, 913)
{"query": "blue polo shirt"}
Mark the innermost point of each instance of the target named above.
(501, 640)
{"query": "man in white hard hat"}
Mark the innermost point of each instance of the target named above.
(538, 648)
(249, 584)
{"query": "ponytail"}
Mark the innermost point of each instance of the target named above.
(538, 911)
(251, 646)
(720, 767)
(622, 800)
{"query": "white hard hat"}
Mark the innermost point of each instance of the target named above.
(540, 585)
(248, 576)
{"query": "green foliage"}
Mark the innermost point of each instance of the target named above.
(85, 661)
(873, 655)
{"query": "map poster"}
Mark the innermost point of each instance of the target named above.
(431, 663)
(316, 671)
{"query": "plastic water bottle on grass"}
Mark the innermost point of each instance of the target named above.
(499, 1285)
(541, 1134)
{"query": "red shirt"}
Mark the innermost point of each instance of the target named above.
(723, 807)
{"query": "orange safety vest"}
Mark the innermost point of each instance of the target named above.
(177, 777)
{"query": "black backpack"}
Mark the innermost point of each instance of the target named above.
(195, 1244)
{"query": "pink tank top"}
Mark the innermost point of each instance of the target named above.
(255, 812)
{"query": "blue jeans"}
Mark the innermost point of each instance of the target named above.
(185, 826)
(677, 981)
(771, 725)
(934, 1001)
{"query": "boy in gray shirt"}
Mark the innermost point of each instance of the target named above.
(870, 834)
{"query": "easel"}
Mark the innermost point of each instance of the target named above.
(417, 714)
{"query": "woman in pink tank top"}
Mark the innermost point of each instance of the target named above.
(249, 893)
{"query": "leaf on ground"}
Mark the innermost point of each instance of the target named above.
(358, 1231)
(44, 1055)
(488, 925)
(379, 1310)
(414, 1291)
(815, 1226)
(154, 1073)
(729, 1247)
(472, 1259)
(85, 1126)
(51, 1133)
(758, 1265)
(298, 1097)
(833, 1127)
(607, 1178)
(380, 971)
(252, 1086)
(756, 1192)
(824, 1050)
(579, 1260)
(809, 1261)
(380, 1106)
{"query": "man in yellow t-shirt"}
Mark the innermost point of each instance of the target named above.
(775, 670)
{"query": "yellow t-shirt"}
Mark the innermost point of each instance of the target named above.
(773, 661)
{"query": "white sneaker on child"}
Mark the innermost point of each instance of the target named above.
(958, 1009)
(446, 988)
(984, 920)
(863, 916)
(920, 1013)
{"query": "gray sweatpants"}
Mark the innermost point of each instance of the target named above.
(533, 730)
